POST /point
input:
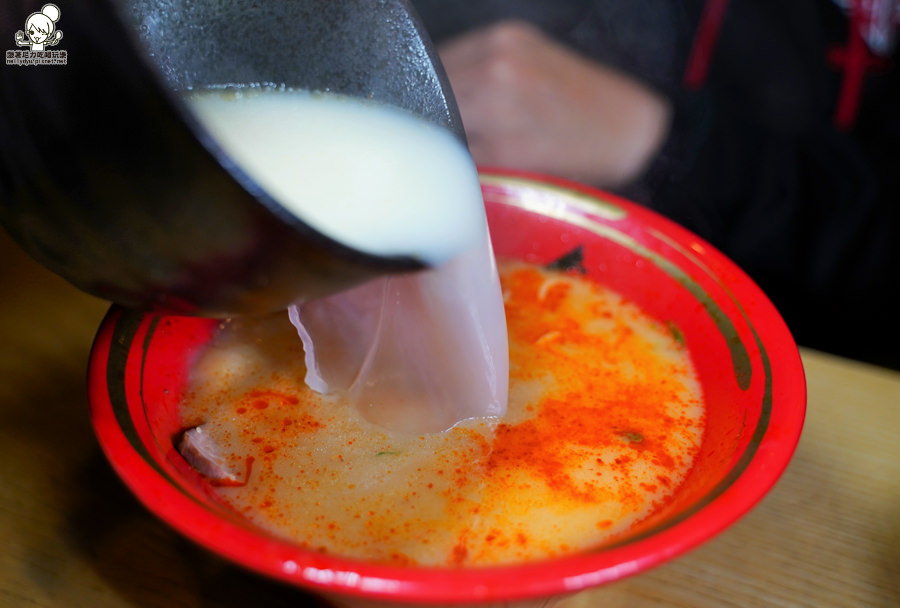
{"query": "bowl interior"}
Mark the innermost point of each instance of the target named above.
(746, 360)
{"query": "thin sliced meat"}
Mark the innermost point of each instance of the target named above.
(200, 451)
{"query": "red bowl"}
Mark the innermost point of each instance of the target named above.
(746, 360)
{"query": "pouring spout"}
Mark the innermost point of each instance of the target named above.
(104, 179)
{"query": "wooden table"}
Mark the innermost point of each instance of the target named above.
(71, 536)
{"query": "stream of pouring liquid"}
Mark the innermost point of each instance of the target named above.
(416, 353)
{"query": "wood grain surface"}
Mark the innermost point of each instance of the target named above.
(72, 536)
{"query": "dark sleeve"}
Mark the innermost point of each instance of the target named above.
(754, 164)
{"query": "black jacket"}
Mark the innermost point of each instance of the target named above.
(754, 162)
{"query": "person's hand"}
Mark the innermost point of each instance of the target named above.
(528, 102)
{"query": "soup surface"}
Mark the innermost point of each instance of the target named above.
(605, 417)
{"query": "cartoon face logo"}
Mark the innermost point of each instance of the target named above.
(41, 29)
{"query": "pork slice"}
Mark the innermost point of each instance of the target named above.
(208, 458)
